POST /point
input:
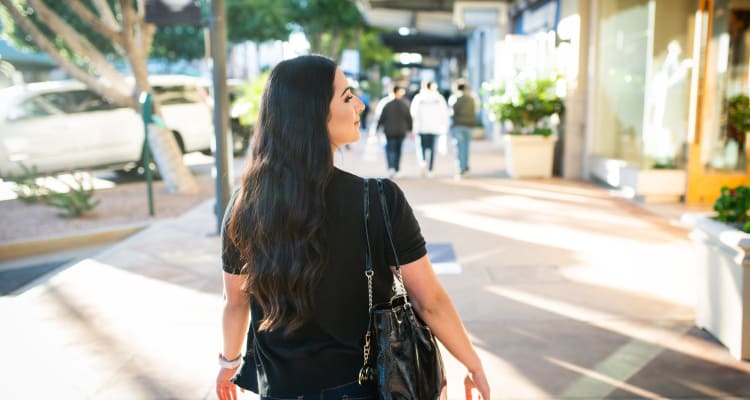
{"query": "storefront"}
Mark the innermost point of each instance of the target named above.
(718, 152)
(669, 109)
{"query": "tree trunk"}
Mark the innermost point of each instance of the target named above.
(134, 36)
(166, 151)
(115, 94)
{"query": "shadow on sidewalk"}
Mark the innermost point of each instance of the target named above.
(574, 299)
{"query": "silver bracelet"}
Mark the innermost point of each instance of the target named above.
(230, 364)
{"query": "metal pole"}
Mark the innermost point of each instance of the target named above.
(222, 155)
(147, 112)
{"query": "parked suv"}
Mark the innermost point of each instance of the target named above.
(62, 125)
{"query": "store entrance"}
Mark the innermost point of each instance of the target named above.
(719, 148)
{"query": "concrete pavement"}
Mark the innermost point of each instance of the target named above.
(566, 290)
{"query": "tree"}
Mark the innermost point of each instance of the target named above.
(329, 25)
(79, 35)
(258, 21)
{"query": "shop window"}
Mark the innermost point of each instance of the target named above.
(644, 66)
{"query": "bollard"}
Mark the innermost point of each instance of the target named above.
(147, 113)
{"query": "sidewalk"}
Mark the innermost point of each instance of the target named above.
(567, 292)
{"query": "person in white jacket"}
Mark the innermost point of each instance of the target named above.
(431, 117)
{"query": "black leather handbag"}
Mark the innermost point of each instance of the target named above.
(400, 352)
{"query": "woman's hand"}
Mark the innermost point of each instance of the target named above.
(225, 389)
(476, 381)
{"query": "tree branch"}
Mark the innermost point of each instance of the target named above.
(136, 54)
(78, 43)
(110, 92)
(141, 11)
(105, 12)
(94, 21)
(148, 31)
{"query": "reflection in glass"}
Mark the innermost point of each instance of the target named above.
(725, 149)
(644, 66)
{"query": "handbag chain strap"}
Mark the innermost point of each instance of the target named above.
(366, 373)
(388, 230)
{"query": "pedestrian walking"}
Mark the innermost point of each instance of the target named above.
(464, 107)
(430, 116)
(395, 119)
(296, 250)
(365, 116)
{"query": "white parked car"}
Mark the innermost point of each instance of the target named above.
(61, 125)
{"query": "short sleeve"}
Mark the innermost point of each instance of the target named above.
(407, 236)
(230, 255)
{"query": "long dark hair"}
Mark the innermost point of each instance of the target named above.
(277, 220)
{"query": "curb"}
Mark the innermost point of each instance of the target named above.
(18, 249)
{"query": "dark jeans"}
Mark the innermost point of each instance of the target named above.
(349, 391)
(427, 142)
(393, 151)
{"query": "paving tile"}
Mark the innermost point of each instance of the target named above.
(566, 291)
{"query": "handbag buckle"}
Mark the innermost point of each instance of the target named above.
(365, 375)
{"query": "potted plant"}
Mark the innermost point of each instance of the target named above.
(722, 243)
(738, 125)
(527, 106)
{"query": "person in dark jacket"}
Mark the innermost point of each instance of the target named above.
(464, 118)
(396, 122)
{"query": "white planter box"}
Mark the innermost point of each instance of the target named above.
(650, 185)
(723, 282)
(655, 185)
(529, 156)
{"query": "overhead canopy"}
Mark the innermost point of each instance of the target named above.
(431, 27)
(429, 17)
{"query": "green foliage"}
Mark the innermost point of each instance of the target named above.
(738, 112)
(732, 206)
(258, 20)
(249, 100)
(28, 189)
(178, 42)
(77, 201)
(170, 42)
(374, 52)
(19, 38)
(329, 25)
(74, 202)
(527, 104)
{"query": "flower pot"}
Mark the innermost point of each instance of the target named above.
(723, 284)
(529, 156)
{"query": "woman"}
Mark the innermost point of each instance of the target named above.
(294, 246)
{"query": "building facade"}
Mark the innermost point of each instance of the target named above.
(657, 92)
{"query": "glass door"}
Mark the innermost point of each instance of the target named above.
(719, 149)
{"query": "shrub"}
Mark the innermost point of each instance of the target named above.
(77, 201)
(74, 202)
(526, 104)
(27, 188)
(732, 206)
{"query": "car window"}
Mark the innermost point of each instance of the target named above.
(178, 94)
(86, 101)
(37, 106)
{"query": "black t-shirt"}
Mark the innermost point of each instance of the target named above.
(328, 350)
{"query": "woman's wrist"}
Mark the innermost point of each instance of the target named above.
(230, 364)
(475, 366)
